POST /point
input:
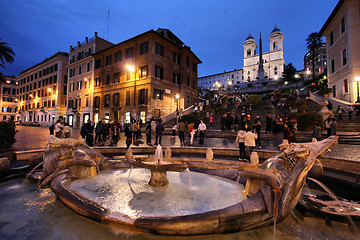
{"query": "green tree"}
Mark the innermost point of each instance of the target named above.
(6, 54)
(289, 73)
(313, 42)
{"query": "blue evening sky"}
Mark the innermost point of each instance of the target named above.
(215, 30)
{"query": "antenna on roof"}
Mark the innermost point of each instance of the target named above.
(107, 30)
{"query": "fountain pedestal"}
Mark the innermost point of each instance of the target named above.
(158, 170)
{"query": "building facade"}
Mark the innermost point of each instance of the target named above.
(320, 62)
(272, 65)
(273, 61)
(42, 91)
(150, 75)
(342, 32)
(81, 80)
(8, 100)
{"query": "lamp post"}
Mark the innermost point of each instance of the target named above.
(357, 79)
(177, 96)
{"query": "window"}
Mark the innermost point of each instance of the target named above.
(129, 53)
(127, 98)
(55, 67)
(346, 87)
(88, 67)
(55, 78)
(176, 58)
(159, 72)
(275, 46)
(107, 80)
(96, 102)
(331, 38)
(176, 78)
(79, 83)
(332, 65)
(248, 53)
(334, 90)
(344, 56)
(117, 56)
(116, 99)
(188, 81)
(107, 100)
(194, 67)
(108, 60)
(159, 49)
(343, 27)
(143, 71)
(97, 63)
(143, 96)
(117, 77)
(71, 87)
(187, 99)
(193, 84)
(187, 61)
(97, 82)
(158, 94)
(86, 100)
(144, 48)
(79, 69)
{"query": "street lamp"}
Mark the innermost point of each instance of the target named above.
(177, 96)
(357, 79)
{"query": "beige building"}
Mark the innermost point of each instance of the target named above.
(320, 62)
(150, 75)
(81, 80)
(8, 100)
(342, 32)
(42, 91)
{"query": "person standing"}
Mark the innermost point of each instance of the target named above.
(105, 132)
(83, 130)
(333, 124)
(148, 133)
(134, 129)
(201, 129)
(240, 138)
(350, 110)
(128, 137)
(327, 124)
(268, 123)
(58, 128)
(159, 132)
(257, 130)
(98, 131)
(115, 133)
(249, 140)
(173, 130)
(192, 131)
(211, 120)
(316, 133)
(89, 134)
(66, 130)
(181, 130)
(340, 112)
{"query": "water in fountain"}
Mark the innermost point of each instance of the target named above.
(27, 177)
(158, 154)
(337, 200)
(188, 171)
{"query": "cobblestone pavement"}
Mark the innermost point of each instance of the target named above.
(36, 137)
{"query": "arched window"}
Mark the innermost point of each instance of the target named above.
(275, 46)
(248, 52)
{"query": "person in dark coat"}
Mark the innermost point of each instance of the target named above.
(89, 134)
(159, 132)
(148, 133)
(128, 136)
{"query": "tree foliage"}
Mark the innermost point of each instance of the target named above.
(289, 73)
(313, 42)
(6, 54)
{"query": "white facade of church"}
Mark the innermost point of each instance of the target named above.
(273, 64)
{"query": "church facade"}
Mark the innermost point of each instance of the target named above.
(272, 64)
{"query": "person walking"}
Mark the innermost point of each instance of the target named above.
(240, 138)
(159, 132)
(128, 137)
(148, 133)
(327, 124)
(211, 121)
(201, 129)
(98, 131)
(181, 130)
(66, 130)
(249, 141)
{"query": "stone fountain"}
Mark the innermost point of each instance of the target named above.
(275, 186)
